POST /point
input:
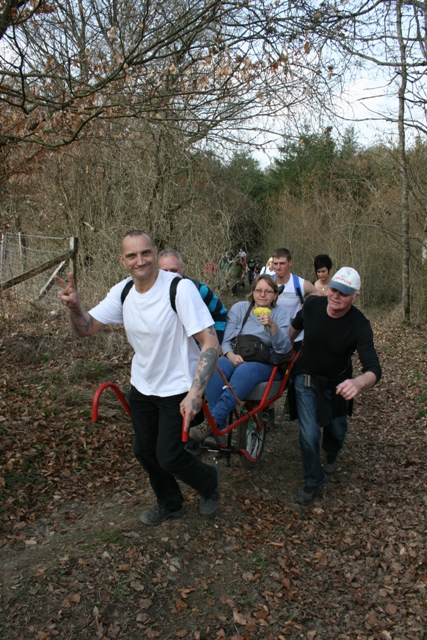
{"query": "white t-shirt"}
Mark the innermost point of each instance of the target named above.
(267, 271)
(166, 355)
(291, 301)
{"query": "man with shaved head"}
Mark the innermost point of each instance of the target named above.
(169, 373)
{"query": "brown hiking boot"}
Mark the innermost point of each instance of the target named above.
(199, 433)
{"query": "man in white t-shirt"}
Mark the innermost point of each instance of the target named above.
(169, 373)
(294, 288)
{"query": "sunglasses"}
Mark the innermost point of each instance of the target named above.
(343, 295)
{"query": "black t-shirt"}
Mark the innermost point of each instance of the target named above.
(251, 265)
(329, 342)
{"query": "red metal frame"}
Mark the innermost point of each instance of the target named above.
(98, 393)
(253, 409)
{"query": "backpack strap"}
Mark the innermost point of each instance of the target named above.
(298, 288)
(128, 286)
(172, 291)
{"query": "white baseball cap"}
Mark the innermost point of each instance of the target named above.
(346, 280)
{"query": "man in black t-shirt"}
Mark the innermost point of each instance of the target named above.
(258, 266)
(324, 389)
(251, 270)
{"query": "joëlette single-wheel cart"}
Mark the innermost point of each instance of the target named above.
(250, 419)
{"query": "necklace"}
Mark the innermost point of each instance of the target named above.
(319, 286)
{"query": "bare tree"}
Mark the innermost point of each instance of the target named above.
(17, 12)
(403, 73)
(204, 68)
(388, 36)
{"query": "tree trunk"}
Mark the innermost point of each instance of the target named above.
(404, 202)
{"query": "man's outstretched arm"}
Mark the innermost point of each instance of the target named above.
(82, 322)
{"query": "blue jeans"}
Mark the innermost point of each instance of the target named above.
(309, 435)
(242, 379)
(158, 447)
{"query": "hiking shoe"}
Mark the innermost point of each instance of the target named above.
(208, 506)
(331, 464)
(215, 441)
(199, 433)
(157, 515)
(306, 494)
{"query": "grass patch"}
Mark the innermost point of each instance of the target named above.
(26, 475)
(89, 370)
(258, 559)
(112, 537)
(422, 411)
(105, 538)
(386, 349)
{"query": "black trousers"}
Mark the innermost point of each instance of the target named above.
(158, 447)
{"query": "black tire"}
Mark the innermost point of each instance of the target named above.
(252, 440)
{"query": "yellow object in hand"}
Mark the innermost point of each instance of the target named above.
(262, 311)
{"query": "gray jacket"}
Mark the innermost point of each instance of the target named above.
(279, 344)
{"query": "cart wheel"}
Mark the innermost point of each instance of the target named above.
(252, 439)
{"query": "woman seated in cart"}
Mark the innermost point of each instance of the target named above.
(262, 319)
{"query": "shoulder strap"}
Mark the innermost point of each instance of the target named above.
(172, 291)
(128, 286)
(297, 288)
(246, 316)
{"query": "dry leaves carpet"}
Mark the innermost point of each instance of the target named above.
(76, 562)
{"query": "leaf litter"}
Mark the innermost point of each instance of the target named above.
(77, 562)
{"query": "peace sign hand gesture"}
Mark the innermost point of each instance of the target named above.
(68, 293)
(82, 322)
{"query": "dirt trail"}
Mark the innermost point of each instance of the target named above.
(77, 563)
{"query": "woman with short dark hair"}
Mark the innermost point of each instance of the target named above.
(322, 267)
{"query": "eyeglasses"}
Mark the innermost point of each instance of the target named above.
(264, 292)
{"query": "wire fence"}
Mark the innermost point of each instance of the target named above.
(28, 262)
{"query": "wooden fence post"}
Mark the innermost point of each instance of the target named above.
(21, 249)
(74, 245)
(69, 255)
(3, 253)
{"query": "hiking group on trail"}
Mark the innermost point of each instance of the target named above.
(176, 325)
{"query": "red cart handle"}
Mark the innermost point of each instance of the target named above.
(119, 394)
(99, 391)
(184, 433)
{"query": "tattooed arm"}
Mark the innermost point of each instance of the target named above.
(210, 350)
(81, 321)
